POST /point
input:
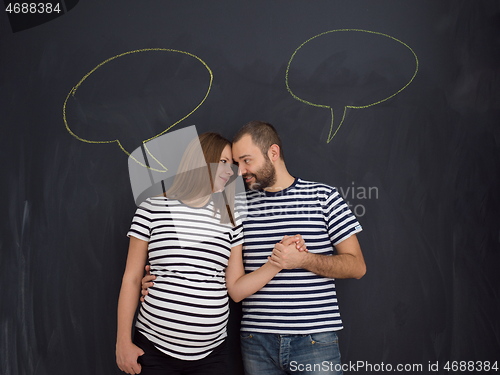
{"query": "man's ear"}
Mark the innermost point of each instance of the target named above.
(274, 152)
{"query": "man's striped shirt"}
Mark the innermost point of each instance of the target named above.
(296, 301)
(186, 311)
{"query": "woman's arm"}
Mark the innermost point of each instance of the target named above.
(126, 352)
(240, 285)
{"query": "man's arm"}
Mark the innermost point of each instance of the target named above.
(239, 285)
(347, 263)
(236, 270)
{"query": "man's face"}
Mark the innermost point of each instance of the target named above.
(257, 170)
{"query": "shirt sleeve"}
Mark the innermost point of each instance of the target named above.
(141, 223)
(340, 220)
(237, 232)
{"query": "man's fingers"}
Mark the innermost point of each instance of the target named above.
(301, 246)
(287, 240)
(147, 282)
(300, 242)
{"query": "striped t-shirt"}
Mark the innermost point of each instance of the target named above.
(186, 311)
(295, 301)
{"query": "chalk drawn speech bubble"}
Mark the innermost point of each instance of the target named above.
(349, 69)
(131, 93)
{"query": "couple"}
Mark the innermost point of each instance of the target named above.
(290, 311)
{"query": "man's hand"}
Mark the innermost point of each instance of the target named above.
(287, 255)
(147, 282)
(347, 263)
(299, 242)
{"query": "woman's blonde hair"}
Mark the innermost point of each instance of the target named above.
(196, 174)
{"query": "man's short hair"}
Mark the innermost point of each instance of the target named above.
(263, 135)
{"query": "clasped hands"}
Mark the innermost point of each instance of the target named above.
(289, 253)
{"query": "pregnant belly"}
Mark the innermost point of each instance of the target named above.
(182, 307)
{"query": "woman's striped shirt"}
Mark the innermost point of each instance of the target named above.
(186, 311)
(296, 301)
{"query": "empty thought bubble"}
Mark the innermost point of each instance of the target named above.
(349, 69)
(134, 97)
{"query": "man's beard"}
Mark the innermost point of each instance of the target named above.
(265, 177)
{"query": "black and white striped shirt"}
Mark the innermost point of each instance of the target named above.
(296, 301)
(186, 311)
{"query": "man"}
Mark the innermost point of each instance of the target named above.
(289, 326)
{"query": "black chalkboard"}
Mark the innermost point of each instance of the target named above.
(396, 103)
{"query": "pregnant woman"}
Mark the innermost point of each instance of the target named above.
(187, 236)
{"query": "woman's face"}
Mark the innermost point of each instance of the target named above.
(224, 171)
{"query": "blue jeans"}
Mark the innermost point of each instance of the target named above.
(273, 354)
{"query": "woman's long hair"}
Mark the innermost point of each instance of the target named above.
(196, 174)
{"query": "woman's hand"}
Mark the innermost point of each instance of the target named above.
(126, 357)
